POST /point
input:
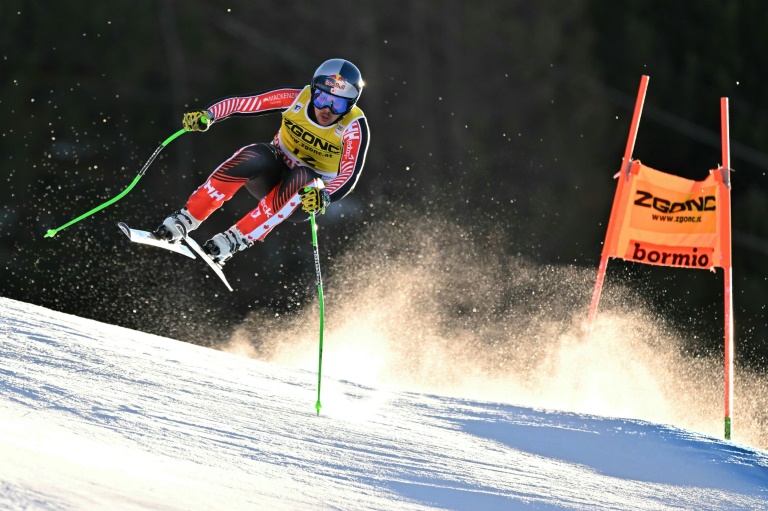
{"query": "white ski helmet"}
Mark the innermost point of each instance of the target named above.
(340, 78)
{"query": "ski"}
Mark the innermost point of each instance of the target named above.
(147, 238)
(187, 247)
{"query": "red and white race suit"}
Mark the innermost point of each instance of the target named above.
(301, 153)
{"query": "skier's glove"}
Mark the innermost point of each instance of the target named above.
(314, 200)
(198, 120)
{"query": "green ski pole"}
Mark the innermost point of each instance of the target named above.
(52, 232)
(322, 309)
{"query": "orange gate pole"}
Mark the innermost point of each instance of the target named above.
(725, 251)
(626, 162)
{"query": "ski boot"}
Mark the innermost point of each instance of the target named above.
(177, 226)
(224, 245)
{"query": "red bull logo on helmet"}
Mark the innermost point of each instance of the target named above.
(336, 82)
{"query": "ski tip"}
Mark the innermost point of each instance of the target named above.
(126, 230)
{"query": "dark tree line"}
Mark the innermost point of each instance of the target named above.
(502, 116)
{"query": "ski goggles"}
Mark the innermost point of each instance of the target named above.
(322, 99)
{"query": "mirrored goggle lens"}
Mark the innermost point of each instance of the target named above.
(322, 99)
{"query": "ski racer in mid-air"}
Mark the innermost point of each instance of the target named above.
(315, 158)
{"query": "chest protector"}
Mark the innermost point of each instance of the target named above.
(304, 142)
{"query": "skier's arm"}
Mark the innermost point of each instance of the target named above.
(274, 100)
(355, 146)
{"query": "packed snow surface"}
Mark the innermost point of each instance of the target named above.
(94, 416)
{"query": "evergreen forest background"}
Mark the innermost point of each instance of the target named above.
(496, 126)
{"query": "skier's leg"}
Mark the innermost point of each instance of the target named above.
(253, 162)
(272, 210)
(249, 163)
(278, 205)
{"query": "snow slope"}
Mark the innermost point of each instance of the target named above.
(94, 416)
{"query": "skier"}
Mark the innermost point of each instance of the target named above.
(314, 159)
